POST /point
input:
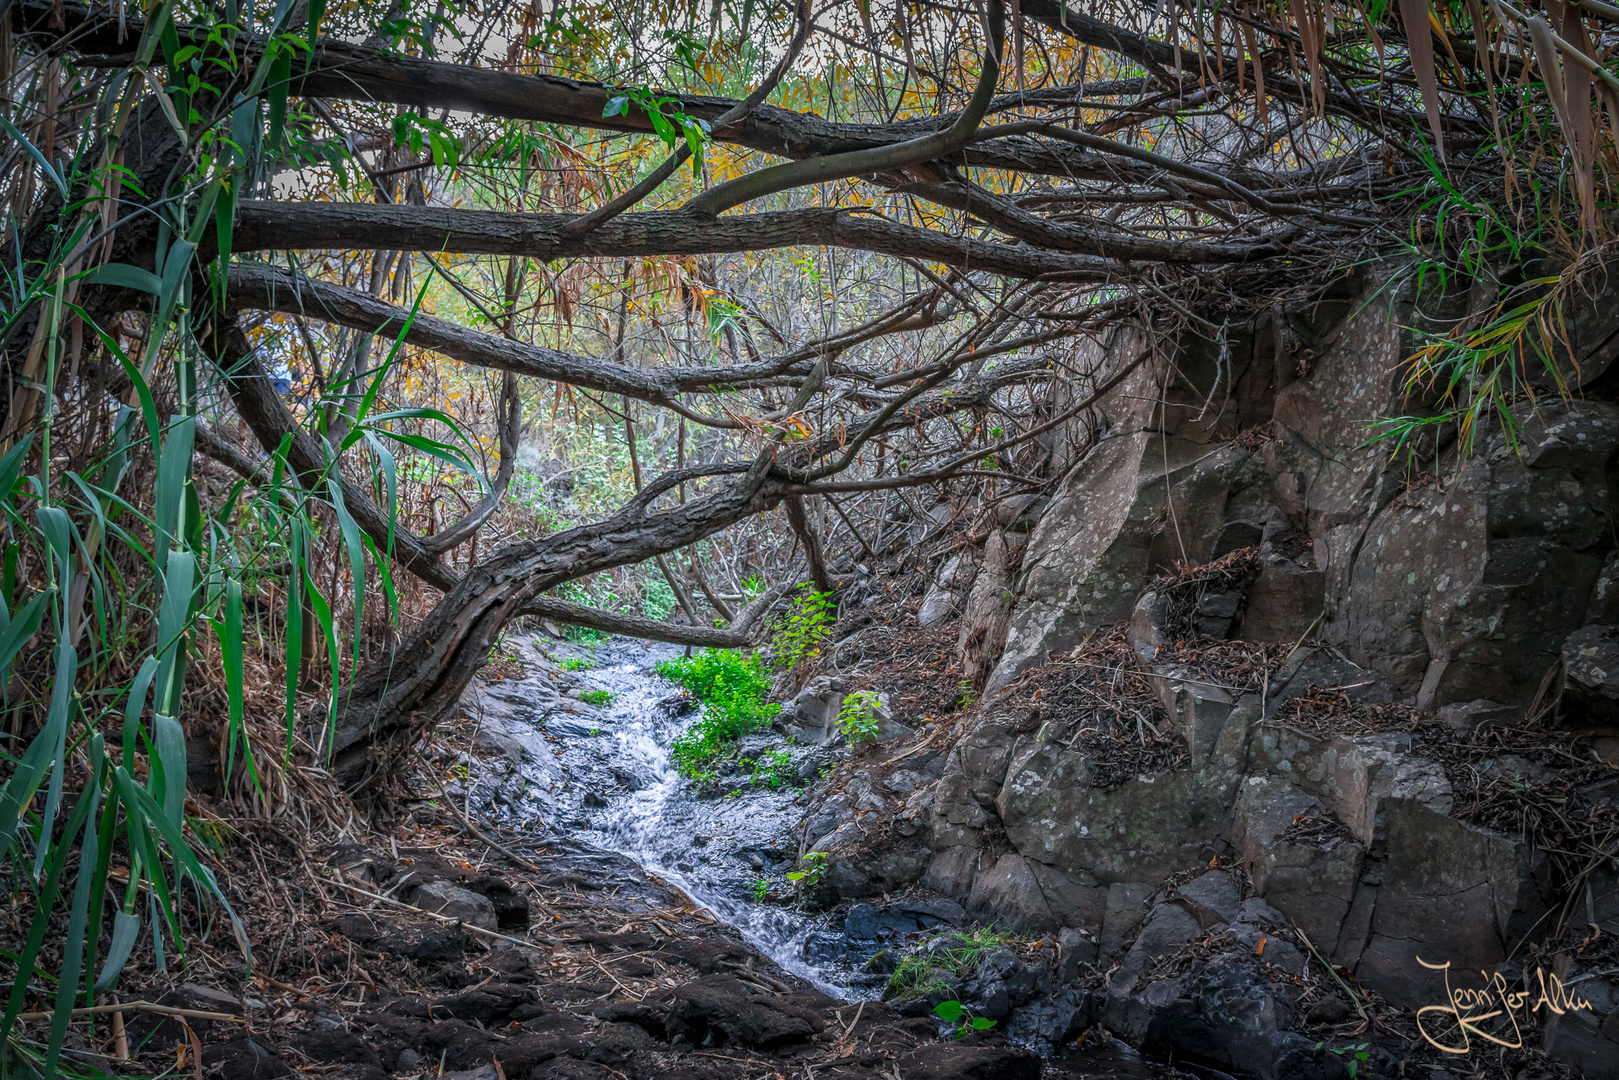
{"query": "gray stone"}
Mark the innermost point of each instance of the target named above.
(1467, 717)
(1009, 894)
(455, 902)
(1076, 948)
(1166, 928)
(1142, 830)
(861, 924)
(1451, 892)
(1148, 620)
(1284, 602)
(1125, 908)
(947, 589)
(1219, 605)
(1591, 673)
(811, 716)
(1212, 898)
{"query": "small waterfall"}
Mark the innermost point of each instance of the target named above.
(697, 843)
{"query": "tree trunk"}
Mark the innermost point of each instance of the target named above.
(794, 505)
(398, 696)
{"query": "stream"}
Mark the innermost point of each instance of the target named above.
(604, 773)
(549, 762)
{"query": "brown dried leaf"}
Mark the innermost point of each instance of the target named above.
(1419, 40)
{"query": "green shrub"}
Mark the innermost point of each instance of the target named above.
(773, 768)
(857, 717)
(657, 598)
(577, 663)
(596, 697)
(732, 687)
(942, 967)
(803, 631)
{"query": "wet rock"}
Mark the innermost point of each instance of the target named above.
(595, 801)
(954, 1061)
(1003, 983)
(452, 901)
(862, 923)
(1225, 1012)
(725, 1010)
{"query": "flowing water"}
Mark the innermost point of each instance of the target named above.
(605, 774)
(552, 763)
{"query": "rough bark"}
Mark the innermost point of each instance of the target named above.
(799, 519)
(267, 417)
(746, 631)
(395, 698)
(323, 226)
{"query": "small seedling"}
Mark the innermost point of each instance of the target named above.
(814, 865)
(1354, 1058)
(577, 663)
(760, 890)
(954, 1012)
(857, 718)
(596, 697)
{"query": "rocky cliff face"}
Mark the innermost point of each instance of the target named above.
(1352, 681)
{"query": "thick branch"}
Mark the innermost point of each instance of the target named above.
(745, 632)
(264, 412)
(279, 225)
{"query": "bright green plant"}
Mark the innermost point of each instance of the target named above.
(732, 686)
(657, 598)
(944, 964)
(759, 890)
(803, 631)
(954, 1012)
(1355, 1058)
(814, 865)
(577, 663)
(599, 698)
(857, 717)
(773, 769)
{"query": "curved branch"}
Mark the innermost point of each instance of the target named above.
(285, 225)
(258, 404)
(943, 144)
(511, 415)
(745, 632)
(728, 119)
(268, 288)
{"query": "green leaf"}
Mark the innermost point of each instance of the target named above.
(126, 927)
(33, 152)
(173, 617)
(616, 106)
(125, 276)
(949, 1011)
